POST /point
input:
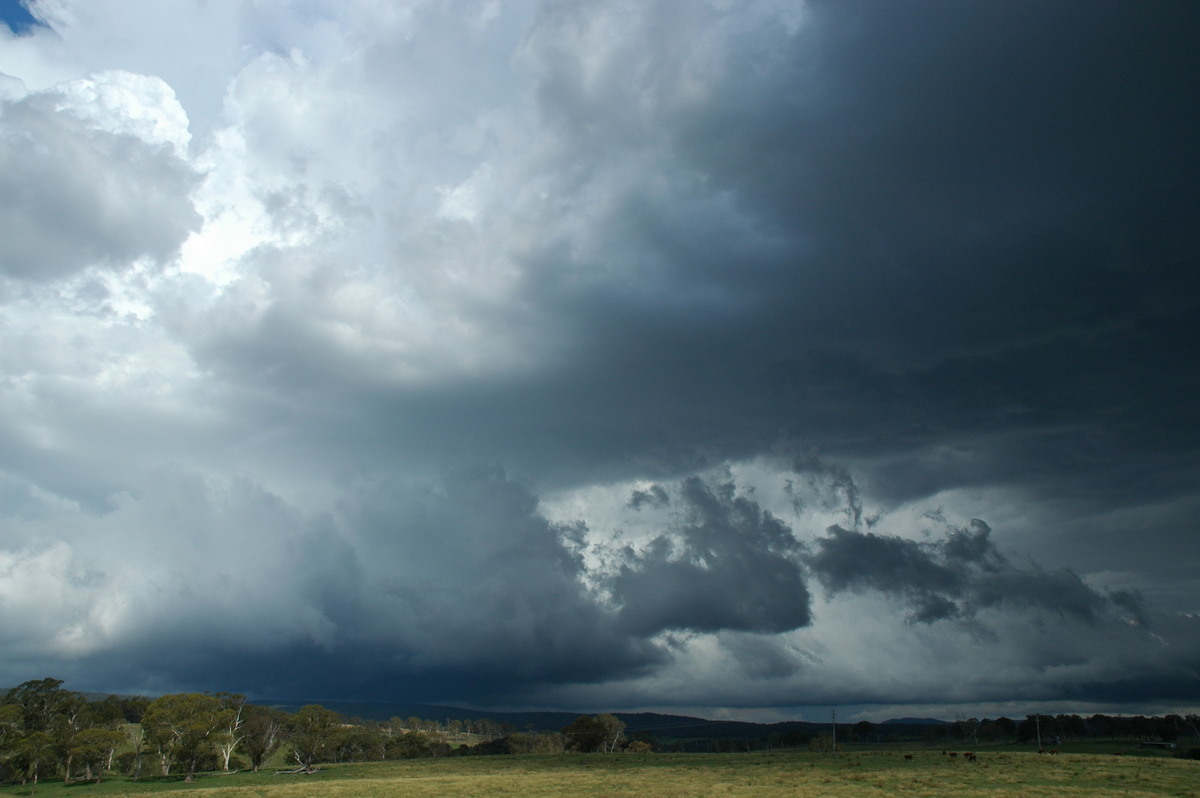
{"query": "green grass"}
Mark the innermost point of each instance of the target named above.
(997, 774)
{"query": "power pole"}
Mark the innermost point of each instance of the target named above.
(833, 715)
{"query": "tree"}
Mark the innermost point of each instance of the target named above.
(262, 730)
(136, 736)
(1006, 728)
(965, 727)
(12, 730)
(108, 711)
(614, 732)
(73, 715)
(822, 743)
(94, 749)
(46, 707)
(311, 733)
(37, 751)
(40, 701)
(184, 727)
(359, 744)
(230, 736)
(585, 734)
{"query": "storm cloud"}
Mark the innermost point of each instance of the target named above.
(729, 566)
(737, 357)
(953, 578)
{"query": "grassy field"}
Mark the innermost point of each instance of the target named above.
(864, 773)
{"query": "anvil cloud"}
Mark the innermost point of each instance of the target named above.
(731, 357)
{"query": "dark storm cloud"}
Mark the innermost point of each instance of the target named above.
(956, 577)
(470, 577)
(729, 565)
(949, 243)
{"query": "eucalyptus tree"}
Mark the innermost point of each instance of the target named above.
(40, 700)
(94, 748)
(231, 736)
(311, 730)
(261, 733)
(36, 752)
(185, 728)
(614, 732)
(12, 730)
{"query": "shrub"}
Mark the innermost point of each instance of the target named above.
(822, 743)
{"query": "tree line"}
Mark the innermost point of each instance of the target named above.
(48, 731)
(1167, 728)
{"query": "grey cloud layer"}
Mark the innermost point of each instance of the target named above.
(73, 195)
(462, 588)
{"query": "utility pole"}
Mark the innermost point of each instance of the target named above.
(1037, 720)
(833, 715)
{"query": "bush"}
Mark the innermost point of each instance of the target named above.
(822, 744)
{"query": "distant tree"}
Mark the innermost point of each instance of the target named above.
(1193, 722)
(1071, 726)
(1006, 728)
(614, 732)
(863, 730)
(822, 743)
(359, 744)
(134, 707)
(965, 728)
(410, 745)
(488, 728)
(585, 734)
(310, 731)
(185, 728)
(107, 711)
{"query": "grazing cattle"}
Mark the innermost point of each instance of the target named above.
(970, 756)
(1053, 752)
(908, 757)
(953, 754)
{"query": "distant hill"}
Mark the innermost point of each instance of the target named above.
(676, 727)
(914, 722)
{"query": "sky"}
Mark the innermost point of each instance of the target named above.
(742, 358)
